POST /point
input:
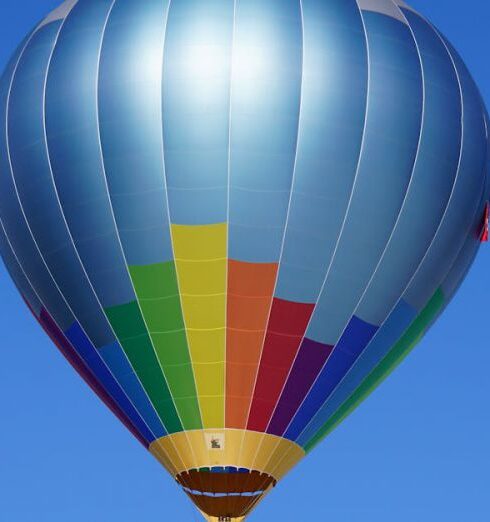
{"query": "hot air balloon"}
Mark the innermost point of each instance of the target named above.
(236, 217)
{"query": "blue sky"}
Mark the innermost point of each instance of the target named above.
(416, 451)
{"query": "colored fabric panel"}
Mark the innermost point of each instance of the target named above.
(131, 331)
(286, 327)
(200, 257)
(355, 338)
(386, 337)
(72, 357)
(403, 347)
(308, 363)
(158, 295)
(250, 289)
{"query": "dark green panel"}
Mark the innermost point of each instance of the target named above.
(402, 348)
(130, 329)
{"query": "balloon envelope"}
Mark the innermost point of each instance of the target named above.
(235, 218)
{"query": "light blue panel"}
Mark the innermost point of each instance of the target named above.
(34, 183)
(379, 346)
(265, 106)
(74, 147)
(333, 108)
(391, 137)
(13, 220)
(196, 109)
(432, 182)
(464, 200)
(130, 87)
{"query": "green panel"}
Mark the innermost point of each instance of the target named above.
(157, 290)
(401, 349)
(130, 329)
(162, 315)
(171, 347)
(155, 281)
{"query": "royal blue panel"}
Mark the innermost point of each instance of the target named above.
(465, 199)
(115, 359)
(333, 108)
(74, 147)
(265, 106)
(391, 137)
(130, 87)
(380, 345)
(196, 109)
(356, 336)
(87, 352)
(435, 171)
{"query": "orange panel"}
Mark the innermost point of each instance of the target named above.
(250, 288)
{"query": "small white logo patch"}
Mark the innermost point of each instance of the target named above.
(215, 441)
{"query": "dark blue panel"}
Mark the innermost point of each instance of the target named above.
(356, 336)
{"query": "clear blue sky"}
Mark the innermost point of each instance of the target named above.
(418, 450)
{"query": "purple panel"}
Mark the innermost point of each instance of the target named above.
(311, 357)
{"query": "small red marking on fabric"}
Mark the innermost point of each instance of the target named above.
(486, 218)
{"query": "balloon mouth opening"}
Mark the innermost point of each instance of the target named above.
(225, 493)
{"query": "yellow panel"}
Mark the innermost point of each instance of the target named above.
(213, 411)
(207, 346)
(203, 277)
(200, 252)
(199, 242)
(285, 454)
(210, 379)
(205, 312)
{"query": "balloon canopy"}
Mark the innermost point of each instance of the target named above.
(236, 217)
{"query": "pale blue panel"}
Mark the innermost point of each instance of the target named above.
(196, 109)
(265, 106)
(74, 147)
(130, 120)
(433, 179)
(391, 138)
(333, 108)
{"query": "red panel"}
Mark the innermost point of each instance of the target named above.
(287, 325)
